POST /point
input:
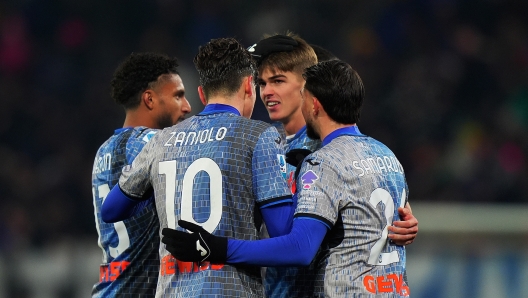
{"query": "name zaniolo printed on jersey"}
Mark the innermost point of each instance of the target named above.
(184, 138)
(149, 136)
(377, 165)
(282, 164)
(308, 179)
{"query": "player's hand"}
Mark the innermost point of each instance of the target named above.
(404, 232)
(273, 44)
(199, 246)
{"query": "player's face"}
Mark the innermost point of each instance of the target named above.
(173, 106)
(306, 108)
(280, 93)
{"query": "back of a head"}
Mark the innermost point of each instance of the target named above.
(222, 64)
(322, 53)
(339, 89)
(138, 72)
(297, 60)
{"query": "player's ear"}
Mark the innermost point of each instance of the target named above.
(201, 94)
(146, 99)
(249, 88)
(316, 106)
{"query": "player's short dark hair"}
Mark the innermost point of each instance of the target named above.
(322, 53)
(339, 89)
(222, 64)
(137, 73)
(297, 60)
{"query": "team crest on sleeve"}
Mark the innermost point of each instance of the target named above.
(282, 164)
(308, 179)
(148, 136)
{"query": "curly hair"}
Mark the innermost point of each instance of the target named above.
(222, 63)
(138, 72)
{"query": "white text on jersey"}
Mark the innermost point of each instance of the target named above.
(192, 137)
(378, 164)
(102, 163)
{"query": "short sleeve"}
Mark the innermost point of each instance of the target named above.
(268, 169)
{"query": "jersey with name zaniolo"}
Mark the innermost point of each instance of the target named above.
(130, 248)
(214, 169)
(354, 184)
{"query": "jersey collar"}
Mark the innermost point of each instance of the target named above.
(219, 108)
(122, 129)
(349, 130)
(296, 135)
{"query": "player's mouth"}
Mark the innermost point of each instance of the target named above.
(272, 105)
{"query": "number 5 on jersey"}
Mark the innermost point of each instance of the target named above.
(120, 228)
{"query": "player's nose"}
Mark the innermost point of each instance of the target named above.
(266, 91)
(186, 107)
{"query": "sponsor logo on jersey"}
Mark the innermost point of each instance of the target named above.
(109, 272)
(148, 136)
(170, 266)
(390, 283)
(312, 162)
(308, 179)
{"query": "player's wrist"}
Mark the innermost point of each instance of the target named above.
(219, 250)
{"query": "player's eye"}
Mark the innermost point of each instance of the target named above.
(179, 95)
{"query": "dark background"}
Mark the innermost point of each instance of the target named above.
(446, 89)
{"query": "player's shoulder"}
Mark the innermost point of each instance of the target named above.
(143, 134)
(255, 127)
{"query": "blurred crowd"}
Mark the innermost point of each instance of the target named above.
(446, 89)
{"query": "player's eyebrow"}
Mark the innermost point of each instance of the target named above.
(277, 76)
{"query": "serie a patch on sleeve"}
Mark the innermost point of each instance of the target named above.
(148, 136)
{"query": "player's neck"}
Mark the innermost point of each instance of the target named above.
(226, 101)
(329, 127)
(294, 124)
(134, 120)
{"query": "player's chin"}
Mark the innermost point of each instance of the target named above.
(274, 115)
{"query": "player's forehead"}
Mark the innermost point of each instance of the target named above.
(170, 82)
(269, 73)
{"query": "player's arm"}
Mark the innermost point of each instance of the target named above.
(119, 206)
(404, 232)
(269, 186)
(278, 217)
(298, 248)
(129, 195)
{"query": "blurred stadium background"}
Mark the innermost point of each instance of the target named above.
(447, 90)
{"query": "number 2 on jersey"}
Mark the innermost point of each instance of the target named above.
(377, 257)
(168, 168)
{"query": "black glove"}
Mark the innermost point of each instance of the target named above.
(295, 158)
(199, 246)
(276, 43)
